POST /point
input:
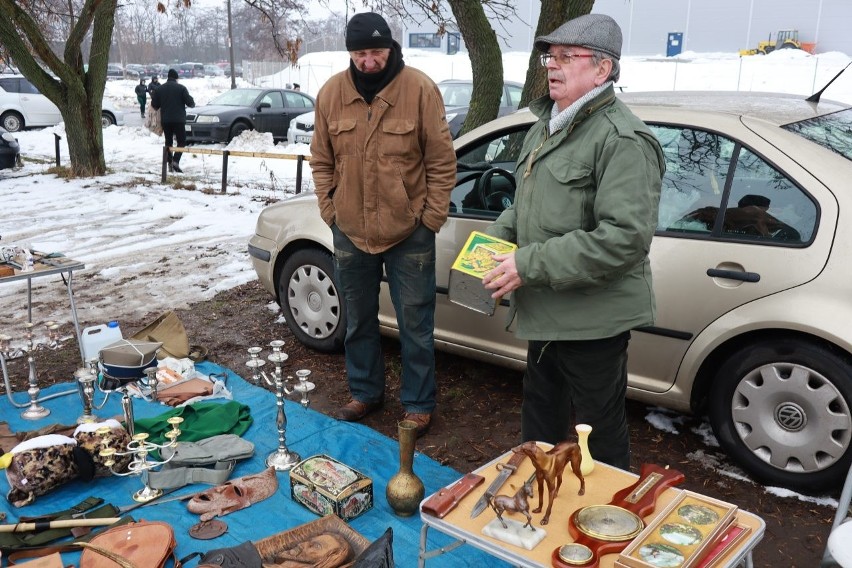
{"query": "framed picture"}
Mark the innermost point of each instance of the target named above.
(682, 535)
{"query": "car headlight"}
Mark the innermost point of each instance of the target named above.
(451, 116)
(8, 137)
(207, 118)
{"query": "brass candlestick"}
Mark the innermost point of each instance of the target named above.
(139, 447)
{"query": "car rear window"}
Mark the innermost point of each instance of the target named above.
(832, 131)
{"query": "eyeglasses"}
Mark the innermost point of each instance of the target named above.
(561, 58)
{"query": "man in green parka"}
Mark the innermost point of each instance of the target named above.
(589, 178)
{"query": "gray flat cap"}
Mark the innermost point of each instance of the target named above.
(593, 31)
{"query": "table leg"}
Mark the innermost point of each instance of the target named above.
(425, 555)
(74, 315)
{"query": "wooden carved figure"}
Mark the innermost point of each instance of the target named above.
(518, 503)
(549, 467)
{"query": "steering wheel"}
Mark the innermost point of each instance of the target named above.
(495, 200)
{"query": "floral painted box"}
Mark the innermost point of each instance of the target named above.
(325, 486)
(473, 262)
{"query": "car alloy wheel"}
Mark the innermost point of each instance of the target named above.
(782, 409)
(106, 120)
(309, 296)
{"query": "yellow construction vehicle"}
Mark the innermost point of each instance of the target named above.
(785, 39)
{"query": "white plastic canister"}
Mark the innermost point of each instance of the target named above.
(97, 337)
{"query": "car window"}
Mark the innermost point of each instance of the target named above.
(295, 100)
(832, 131)
(456, 94)
(274, 99)
(9, 85)
(514, 96)
(758, 204)
(307, 101)
(28, 88)
(474, 197)
(236, 97)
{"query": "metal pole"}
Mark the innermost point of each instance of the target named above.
(56, 139)
(165, 161)
(231, 48)
(299, 162)
(225, 155)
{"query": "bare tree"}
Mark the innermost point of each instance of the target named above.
(65, 81)
(553, 14)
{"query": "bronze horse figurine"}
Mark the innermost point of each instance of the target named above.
(549, 467)
(518, 503)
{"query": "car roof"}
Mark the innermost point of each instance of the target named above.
(470, 81)
(774, 109)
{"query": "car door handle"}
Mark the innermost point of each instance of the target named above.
(733, 275)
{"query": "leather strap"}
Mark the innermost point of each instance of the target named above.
(81, 507)
(171, 477)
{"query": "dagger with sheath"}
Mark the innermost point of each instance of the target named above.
(506, 469)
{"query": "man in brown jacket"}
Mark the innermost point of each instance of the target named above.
(384, 166)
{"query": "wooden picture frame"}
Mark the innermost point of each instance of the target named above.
(682, 535)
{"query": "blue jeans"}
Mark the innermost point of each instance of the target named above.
(410, 268)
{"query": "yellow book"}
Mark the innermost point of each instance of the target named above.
(473, 262)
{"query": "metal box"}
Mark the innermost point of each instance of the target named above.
(326, 486)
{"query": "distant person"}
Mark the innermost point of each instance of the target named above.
(383, 185)
(142, 96)
(171, 99)
(153, 85)
(296, 87)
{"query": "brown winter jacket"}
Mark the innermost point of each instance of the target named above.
(380, 170)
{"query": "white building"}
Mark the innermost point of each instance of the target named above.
(705, 25)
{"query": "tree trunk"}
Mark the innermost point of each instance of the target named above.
(78, 93)
(486, 61)
(554, 13)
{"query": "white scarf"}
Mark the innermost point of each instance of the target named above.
(558, 119)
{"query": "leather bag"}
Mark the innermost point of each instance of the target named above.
(146, 544)
(168, 330)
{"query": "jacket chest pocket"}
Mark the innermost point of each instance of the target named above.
(342, 133)
(570, 197)
(398, 137)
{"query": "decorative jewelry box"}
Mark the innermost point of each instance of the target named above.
(325, 486)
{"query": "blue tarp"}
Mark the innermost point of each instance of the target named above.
(308, 433)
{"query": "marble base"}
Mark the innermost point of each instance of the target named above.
(516, 533)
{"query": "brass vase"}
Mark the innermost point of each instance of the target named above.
(405, 490)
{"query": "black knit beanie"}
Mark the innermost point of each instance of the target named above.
(367, 30)
(172, 74)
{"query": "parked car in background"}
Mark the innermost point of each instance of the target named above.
(238, 71)
(751, 269)
(10, 156)
(213, 71)
(238, 110)
(115, 71)
(23, 106)
(134, 71)
(158, 69)
(457, 93)
(301, 129)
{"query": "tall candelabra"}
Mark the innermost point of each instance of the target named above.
(139, 447)
(282, 459)
(34, 409)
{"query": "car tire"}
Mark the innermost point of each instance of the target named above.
(781, 409)
(12, 121)
(310, 298)
(107, 119)
(237, 129)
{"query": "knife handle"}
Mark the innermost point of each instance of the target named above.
(513, 463)
(445, 500)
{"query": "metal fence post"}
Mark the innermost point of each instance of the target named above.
(225, 155)
(165, 162)
(56, 139)
(299, 162)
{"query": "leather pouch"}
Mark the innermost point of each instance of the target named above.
(146, 544)
(244, 555)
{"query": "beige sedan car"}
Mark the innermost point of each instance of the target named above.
(751, 270)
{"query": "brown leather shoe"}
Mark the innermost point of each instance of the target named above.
(423, 421)
(355, 410)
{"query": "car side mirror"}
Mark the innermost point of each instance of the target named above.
(262, 106)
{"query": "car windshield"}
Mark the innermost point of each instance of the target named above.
(237, 97)
(456, 94)
(833, 131)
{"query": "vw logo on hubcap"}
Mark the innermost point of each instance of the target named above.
(790, 416)
(314, 301)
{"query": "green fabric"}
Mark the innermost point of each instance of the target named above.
(13, 541)
(200, 420)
